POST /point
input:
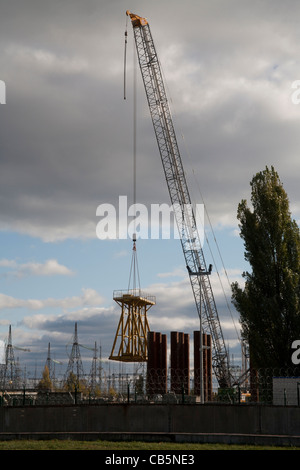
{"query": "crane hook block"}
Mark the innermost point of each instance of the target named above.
(136, 20)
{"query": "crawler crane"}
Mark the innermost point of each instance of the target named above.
(179, 195)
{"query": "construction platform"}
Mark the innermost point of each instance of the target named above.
(134, 294)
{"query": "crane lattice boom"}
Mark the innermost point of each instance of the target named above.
(179, 194)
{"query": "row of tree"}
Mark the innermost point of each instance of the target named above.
(72, 384)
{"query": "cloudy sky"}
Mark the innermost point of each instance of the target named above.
(66, 139)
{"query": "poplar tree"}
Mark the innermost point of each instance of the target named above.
(270, 299)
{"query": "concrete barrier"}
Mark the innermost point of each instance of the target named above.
(155, 419)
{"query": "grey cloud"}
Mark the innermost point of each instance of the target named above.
(89, 297)
(66, 134)
(49, 268)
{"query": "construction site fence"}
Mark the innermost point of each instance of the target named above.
(263, 386)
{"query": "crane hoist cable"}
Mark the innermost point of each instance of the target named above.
(134, 277)
(125, 57)
(208, 218)
(217, 247)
